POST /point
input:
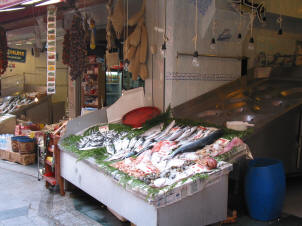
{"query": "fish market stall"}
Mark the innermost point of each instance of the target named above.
(156, 175)
(272, 105)
(34, 106)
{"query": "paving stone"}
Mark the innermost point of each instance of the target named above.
(18, 221)
(25, 201)
(40, 221)
(13, 213)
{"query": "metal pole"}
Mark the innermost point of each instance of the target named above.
(211, 56)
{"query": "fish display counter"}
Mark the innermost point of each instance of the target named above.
(34, 106)
(165, 173)
(272, 105)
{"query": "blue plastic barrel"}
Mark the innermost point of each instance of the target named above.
(265, 188)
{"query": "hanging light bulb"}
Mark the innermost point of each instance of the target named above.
(163, 50)
(126, 65)
(252, 17)
(195, 61)
(279, 21)
(251, 44)
(239, 36)
(213, 44)
(263, 17)
(280, 31)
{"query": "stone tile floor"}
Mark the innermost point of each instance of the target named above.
(25, 201)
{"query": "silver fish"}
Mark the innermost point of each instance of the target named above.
(116, 156)
(132, 143)
(166, 131)
(110, 149)
(199, 143)
(153, 135)
(117, 145)
(125, 143)
(153, 130)
(176, 134)
(138, 143)
(187, 133)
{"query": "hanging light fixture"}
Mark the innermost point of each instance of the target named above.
(126, 65)
(279, 21)
(213, 44)
(239, 36)
(163, 50)
(251, 45)
(213, 40)
(126, 36)
(195, 61)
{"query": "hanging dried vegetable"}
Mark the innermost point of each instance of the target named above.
(66, 48)
(87, 30)
(3, 51)
(136, 45)
(144, 45)
(78, 51)
(111, 57)
(118, 18)
(136, 17)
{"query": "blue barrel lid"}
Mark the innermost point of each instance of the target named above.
(263, 162)
(23, 139)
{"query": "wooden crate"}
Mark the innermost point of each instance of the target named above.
(26, 159)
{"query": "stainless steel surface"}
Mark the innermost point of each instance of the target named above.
(272, 104)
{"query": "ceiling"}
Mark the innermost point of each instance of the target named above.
(25, 18)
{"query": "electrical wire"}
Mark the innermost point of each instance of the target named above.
(165, 39)
(195, 38)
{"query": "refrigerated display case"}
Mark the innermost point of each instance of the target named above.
(113, 86)
(129, 83)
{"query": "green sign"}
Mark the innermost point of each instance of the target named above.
(17, 55)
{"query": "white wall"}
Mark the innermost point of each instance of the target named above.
(180, 31)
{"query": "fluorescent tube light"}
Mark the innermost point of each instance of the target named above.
(49, 2)
(11, 9)
(31, 2)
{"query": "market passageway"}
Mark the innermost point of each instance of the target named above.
(25, 201)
